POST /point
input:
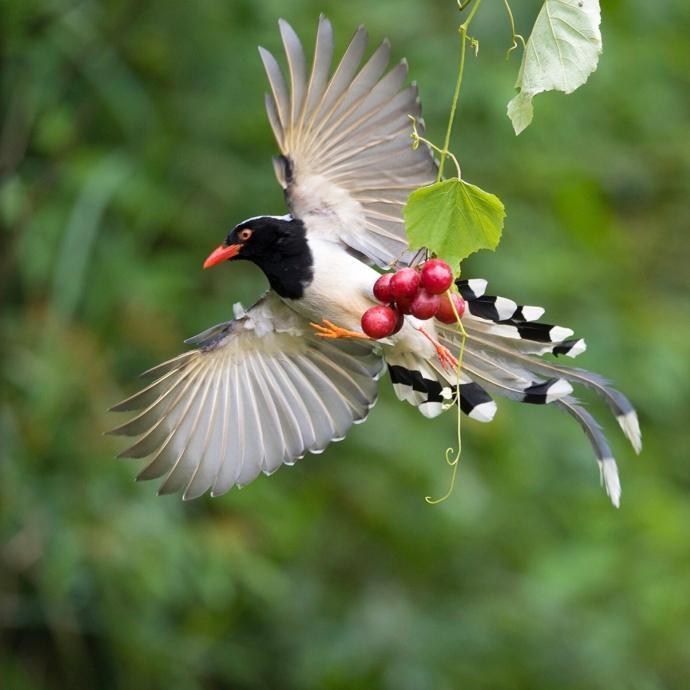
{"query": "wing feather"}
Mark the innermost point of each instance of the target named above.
(273, 434)
(345, 140)
(292, 435)
(296, 68)
(305, 424)
(149, 395)
(278, 87)
(254, 453)
(321, 66)
(324, 425)
(193, 445)
(274, 120)
(259, 392)
(205, 472)
(349, 383)
(178, 422)
(357, 92)
(344, 73)
(230, 465)
(158, 433)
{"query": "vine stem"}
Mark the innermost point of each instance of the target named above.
(453, 457)
(416, 140)
(513, 35)
(458, 84)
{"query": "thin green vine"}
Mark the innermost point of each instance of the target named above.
(417, 140)
(513, 35)
(452, 457)
(462, 30)
(436, 212)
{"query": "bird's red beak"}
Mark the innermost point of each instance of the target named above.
(221, 254)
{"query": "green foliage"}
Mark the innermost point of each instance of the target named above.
(457, 219)
(560, 54)
(144, 121)
(453, 219)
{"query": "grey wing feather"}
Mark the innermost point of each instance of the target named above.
(296, 68)
(321, 66)
(259, 392)
(347, 163)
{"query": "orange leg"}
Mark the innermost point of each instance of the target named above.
(333, 332)
(448, 361)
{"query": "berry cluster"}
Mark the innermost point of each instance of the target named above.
(422, 292)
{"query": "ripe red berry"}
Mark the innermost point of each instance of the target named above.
(436, 276)
(401, 321)
(404, 283)
(445, 311)
(379, 322)
(382, 288)
(403, 304)
(424, 305)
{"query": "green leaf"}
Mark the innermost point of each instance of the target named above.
(453, 219)
(561, 52)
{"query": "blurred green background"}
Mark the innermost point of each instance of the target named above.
(133, 136)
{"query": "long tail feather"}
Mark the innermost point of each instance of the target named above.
(508, 379)
(607, 464)
(618, 403)
(502, 353)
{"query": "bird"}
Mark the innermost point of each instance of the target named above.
(295, 371)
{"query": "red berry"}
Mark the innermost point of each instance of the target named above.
(424, 305)
(400, 322)
(436, 276)
(379, 322)
(382, 288)
(403, 304)
(445, 311)
(404, 283)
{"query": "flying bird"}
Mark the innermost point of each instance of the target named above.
(294, 372)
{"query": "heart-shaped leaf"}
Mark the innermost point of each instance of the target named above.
(453, 219)
(561, 52)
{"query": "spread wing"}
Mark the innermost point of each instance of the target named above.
(347, 164)
(258, 392)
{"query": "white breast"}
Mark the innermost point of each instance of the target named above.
(342, 290)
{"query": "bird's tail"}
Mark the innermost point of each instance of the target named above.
(502, 356)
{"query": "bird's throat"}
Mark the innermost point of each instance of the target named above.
(289, 274)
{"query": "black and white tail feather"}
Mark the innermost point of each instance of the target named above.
(500, 357)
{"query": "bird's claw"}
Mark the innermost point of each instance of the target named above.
(332, 332)
(448, 361)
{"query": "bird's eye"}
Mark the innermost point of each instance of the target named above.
(245, 234)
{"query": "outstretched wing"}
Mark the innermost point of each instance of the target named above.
(347, 164)
(258, 392)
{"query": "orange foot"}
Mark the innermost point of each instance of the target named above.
(448, 361)
(333, 332)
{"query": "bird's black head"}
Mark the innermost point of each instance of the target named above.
(277, 245)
